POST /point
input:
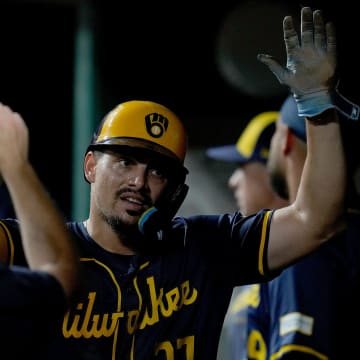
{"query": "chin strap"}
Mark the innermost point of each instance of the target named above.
(157, 218)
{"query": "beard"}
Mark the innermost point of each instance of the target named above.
(279, 185)
(129, 235)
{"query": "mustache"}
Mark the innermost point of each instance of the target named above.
(145, 197)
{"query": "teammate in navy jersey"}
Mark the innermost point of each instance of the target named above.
(158, 286)
(252, 190)
(33, 299)
(304, 313)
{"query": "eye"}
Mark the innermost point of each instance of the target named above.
(125, 162)
(158, 172)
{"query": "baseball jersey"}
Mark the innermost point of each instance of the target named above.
(235, 324)
(6, 208)
(30, 302)
(309, 311)
(169, 305)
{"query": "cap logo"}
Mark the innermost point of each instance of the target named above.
(156, 124)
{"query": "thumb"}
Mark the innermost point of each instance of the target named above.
(273, 65)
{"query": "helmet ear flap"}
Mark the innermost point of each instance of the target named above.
(174, 194)
(173, 199)
(155, 220)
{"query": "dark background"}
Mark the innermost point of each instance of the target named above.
(171, 52)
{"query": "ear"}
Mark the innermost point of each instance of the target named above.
(288, 141)
(89, 166)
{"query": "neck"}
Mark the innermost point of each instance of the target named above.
(105, 237)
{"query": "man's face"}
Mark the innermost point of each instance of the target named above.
(251, 186)
(124, 185)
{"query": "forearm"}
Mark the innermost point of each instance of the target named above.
(320, 198)
(46, 240)
(317, 212)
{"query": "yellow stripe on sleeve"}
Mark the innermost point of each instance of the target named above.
(262, 242)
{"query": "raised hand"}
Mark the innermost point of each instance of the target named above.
(14, 141)
(310, 71)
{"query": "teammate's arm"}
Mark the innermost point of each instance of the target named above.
(316, 214)
(47, 243)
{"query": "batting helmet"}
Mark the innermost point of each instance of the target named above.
(143, 124)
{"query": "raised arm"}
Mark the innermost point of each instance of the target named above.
(316, 214)
(47, 243)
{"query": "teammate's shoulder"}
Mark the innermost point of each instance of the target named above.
(10, 242)
(76, 227)
(10, 222)
(10, 226)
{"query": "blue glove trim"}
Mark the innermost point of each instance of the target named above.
(315, 103)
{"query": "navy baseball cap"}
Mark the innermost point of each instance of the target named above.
(290, 117)
(253, 143)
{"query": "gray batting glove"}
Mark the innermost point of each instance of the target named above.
(311, 66)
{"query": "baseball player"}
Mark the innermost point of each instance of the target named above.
(252, 189)
(304, 313)
(158, 286)
(33, 300)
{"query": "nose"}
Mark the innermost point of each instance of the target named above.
(138, 177)
(235, 179)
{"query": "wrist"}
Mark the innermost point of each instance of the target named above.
(323, 118)
(313, 104)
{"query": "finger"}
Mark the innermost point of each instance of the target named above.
(307, 31)
(273, 65)
(290, 35)
(5, 110)
(319, 31)
(331, 40)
